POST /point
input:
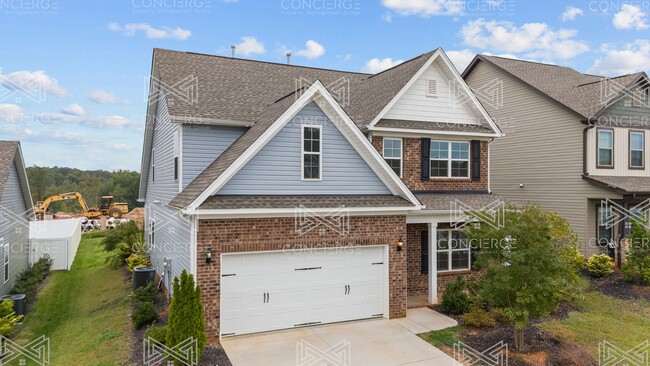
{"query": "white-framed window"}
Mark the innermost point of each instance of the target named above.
(393, 154)
(452, 251)
(312, 163)
(605, 147)
(175, 161)
(449, 159)
(5, 258)
(637, 149)
(153, 165)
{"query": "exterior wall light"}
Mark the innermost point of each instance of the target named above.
(400, 244)
(208, 255)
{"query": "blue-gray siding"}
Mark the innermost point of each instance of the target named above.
(276, 169)
(14, 230)
(171, 232)
(628, 115)
(202, 144)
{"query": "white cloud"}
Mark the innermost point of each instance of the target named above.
(425, 8)
(73, 110)
(150, 32)
(534, 40)
(461, 58)
(249, 46)
(387, 17)
(377, 65)
(630, 17)
(31, 82)
(91, 121)
(10, 113)
(103, 97)
(312, 50)
(633, 57)
(571, 12)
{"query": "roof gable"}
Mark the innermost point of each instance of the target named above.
(11, 156)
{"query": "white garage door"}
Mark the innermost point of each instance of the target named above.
(285, 289)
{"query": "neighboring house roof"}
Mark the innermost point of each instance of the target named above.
(11, 153)
(624, 185)
(308, 201)
(578, 92)
(451, 202)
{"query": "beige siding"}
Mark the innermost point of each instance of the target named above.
(415, 105)
(621, 154)
(542, 150)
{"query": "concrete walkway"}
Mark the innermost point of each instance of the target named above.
(367, 342)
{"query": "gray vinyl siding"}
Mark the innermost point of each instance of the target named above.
(172, 234)
(16, 232)
(276, 169)
(542, 149)
(618, 112)
(202, 145)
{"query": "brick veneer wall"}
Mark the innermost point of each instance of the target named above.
(250, 235)
(418, 283)
(411, 169)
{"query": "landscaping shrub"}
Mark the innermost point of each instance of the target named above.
(478, 317)
(145, 293)
(186, 313)
(144, 313)
(8, 317)
(159, 334)
(600, 265)
(120, 255)
(454, 299)
(124, 241)
(576, 259)
(637, 259)
(137, 261)
(30, 278)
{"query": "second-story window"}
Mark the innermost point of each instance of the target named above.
(393, 154)
(176, 153)
(311, 153)
(449, 159)
(605, 148)
(637, 149)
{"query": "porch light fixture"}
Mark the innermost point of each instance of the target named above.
(208, 255)
(400, 244)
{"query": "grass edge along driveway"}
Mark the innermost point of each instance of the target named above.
(85, 312)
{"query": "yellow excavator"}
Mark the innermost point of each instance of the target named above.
(108, 207)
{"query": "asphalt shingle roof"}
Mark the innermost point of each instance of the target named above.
(226, 202)
(433, 126)
(622, 184)
(8, 151)
(444, 202)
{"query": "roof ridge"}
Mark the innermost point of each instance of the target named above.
(528, 61)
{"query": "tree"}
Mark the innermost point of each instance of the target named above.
(637, 258)
(186, 318)
(528, 271)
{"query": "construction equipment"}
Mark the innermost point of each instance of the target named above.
(108, 207)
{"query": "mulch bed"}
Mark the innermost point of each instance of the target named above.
(615, 286)
(212, 354)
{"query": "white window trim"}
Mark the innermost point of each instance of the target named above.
(642, 150)
(152, 235)
(449, 250)
(153, 164)
(401, 152)
(5, 259)
(302, 153)
(449, 160)
(598, 164)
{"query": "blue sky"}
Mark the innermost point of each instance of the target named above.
(73, 74)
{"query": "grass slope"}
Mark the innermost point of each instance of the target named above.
(84, 312)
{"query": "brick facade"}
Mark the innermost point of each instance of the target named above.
(411, 152)
(418, 283)
(250, 235)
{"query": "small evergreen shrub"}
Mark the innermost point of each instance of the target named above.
(575, 258)
(159, 334)
(137, 261)
(8, 318)
(478, 317)
(186, 317)
(30, 278)
(144, 313)
(145, 293)
(454, 299)
(600, 265)
(637, 259)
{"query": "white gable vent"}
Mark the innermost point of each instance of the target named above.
(431, 88)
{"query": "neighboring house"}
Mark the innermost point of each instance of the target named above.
(300, 196)
(16, 209)
(575, 143)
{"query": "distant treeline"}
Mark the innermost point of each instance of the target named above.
(92, 184)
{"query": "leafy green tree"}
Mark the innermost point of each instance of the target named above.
(528, 271)
(8, 317)
(637, 258)
(186, 317)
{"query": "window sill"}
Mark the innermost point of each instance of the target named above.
(455, 272)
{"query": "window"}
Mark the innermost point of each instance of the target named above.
(393, 154)
(637, 149)
(605, 148)
(605, 229)
(453, 252)
(449, 159)
(5, 256)
(311, 153)
(153, 165)
(176, 150)
(152, 234)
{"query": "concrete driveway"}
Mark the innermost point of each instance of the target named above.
(367, 342)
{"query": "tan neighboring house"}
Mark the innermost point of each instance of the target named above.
(575, 143)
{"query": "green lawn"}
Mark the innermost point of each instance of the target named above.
(84, 311)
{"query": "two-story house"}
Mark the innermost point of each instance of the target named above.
(16, 210)
(301, 196)
(575, 143)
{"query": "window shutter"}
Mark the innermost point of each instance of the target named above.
(424, 252)
(476, 160)
(424, 164)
